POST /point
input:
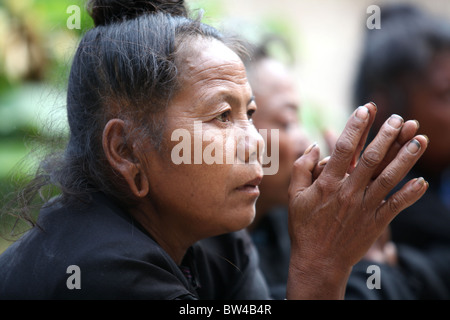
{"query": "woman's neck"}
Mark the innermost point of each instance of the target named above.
(164, 232)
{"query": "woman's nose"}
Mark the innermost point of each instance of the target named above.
(250, 145)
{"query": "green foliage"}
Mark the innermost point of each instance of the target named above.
(36, 47)
(212, 10)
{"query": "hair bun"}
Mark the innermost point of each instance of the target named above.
(104, 12)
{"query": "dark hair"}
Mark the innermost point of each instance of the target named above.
(408, 40)
(125, 67)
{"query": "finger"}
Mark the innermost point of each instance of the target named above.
(375, 152)
(407, 132)
(319, 167)
(396, 170)
(347, 144)
(412, 191)
(302, 172)
(372, 111)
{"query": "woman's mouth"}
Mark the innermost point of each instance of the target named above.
(251, 187)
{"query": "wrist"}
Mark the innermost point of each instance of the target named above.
(316, 279)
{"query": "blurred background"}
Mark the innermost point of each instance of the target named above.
(38, 38)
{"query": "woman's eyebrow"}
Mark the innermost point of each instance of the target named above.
(228, 97)
(233, 99)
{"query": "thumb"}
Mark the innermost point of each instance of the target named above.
(302, 172)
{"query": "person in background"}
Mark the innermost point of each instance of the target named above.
(405, 69)
(278, 104)
(277, 98)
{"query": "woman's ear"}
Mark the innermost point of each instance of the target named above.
(122, 158)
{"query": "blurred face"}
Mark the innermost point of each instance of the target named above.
(277, 101)
(200, 180)
(429, 103)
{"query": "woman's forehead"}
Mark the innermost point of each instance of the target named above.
(210, 59)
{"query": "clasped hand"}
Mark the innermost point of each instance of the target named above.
(338, 208)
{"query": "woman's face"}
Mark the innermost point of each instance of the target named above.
(205, 178)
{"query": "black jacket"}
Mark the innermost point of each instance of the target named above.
(117, 259)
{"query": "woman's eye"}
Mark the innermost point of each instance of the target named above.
(224, 117)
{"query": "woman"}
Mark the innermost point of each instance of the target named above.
(133, 221)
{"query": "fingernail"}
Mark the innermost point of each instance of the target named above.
(395, 121)
(324, 161)
(362, 113)
(418, 184)
(374, 104)
(413, 146)
(426, 137)
(308, 150)
(418, 124)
